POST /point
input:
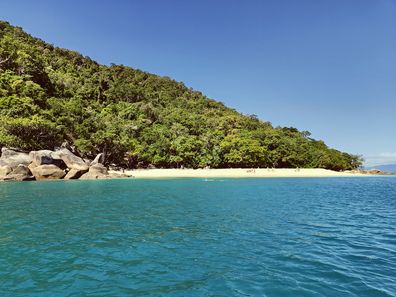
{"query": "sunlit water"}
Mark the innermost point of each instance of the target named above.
(194, 237)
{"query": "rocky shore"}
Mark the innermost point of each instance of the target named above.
(62, 163)
(372, 172)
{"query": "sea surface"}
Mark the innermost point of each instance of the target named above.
(195, 237)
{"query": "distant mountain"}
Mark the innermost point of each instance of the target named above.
(49, 95)
(387, 168)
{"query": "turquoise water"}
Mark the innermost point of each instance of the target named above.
(191, 237)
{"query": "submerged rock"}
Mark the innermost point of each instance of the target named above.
(47, 171)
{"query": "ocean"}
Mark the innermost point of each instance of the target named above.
(198, 237)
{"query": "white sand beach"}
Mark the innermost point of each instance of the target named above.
(237, 173)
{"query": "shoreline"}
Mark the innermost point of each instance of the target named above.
(235, 173)
(16, 165)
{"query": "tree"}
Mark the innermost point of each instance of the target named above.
(240, 150)
(49, 94)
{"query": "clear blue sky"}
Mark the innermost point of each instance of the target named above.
(327, 66)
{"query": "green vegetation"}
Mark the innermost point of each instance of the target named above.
(49, 95)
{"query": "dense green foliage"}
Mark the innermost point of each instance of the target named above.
(48, 95)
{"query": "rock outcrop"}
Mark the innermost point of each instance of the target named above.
(46, 157)
(20, 173)
(47, 171)
(74, 174)
(13, 157)
(4, 170)
(46, 164)
(97, 171)
(41, 157)
(71, 160)
(371, 172)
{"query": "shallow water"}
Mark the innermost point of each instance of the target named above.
(191, 237)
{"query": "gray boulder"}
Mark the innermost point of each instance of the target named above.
(20, 173)
(13, 157)
(41, 157)
(71, 160)
(97, 171)
(74, 174)
(47, 171)
(45, 157)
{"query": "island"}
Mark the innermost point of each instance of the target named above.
(57, 105)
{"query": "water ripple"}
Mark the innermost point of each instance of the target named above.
(188, 237)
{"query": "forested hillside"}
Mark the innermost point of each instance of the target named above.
(49, 95)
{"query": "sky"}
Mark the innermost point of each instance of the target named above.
(326, 66)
